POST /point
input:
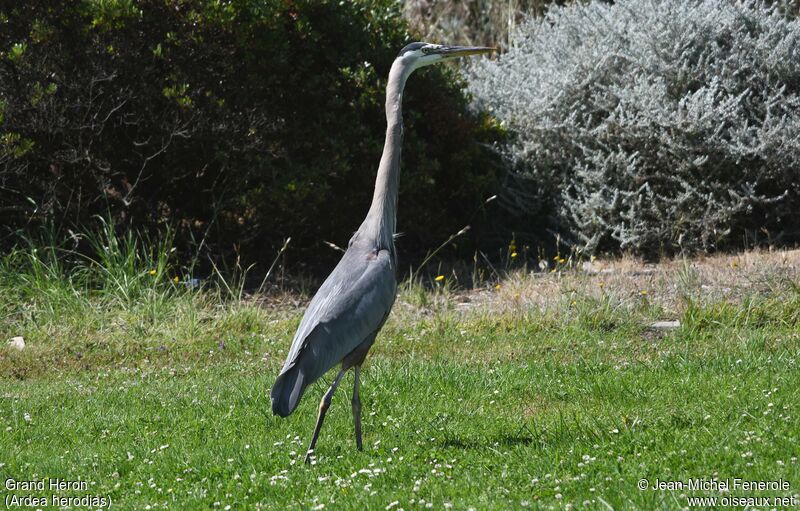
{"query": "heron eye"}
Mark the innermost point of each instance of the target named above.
(426, 50)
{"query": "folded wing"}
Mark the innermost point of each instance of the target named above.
(350, 305)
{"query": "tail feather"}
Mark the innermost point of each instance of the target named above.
(287, 391)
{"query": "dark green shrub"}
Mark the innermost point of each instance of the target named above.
(239, 122)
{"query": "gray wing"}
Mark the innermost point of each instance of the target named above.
(350, 305)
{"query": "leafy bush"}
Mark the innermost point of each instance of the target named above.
(653, 126)
(478, 22)
(240, 122)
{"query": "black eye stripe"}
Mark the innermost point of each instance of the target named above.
(411, 47)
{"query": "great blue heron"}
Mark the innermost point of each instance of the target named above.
(343, 318)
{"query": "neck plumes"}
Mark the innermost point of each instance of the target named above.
(382, 217)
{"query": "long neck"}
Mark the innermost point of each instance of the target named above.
(380, 223)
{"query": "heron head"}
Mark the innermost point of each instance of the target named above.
(416, 55)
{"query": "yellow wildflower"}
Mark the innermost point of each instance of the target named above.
(176, 279)
(497, 286)
(152, 273)
(514, 254)
(643, 292)
(439, 278)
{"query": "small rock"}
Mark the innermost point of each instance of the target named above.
(193, 283)
(665, 325)
(18, 343)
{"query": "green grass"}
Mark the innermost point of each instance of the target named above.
(155, 395)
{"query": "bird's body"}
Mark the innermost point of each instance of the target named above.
(349, 309)
(343, 318)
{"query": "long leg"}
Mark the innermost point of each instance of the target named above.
(323, 408)
(357, 408)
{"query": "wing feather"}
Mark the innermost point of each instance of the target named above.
(350, 305)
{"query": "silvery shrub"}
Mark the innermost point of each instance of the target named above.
(652, 126)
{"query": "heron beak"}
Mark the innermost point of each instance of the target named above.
(451, 52)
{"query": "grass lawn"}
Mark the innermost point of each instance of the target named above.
(548, 391)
